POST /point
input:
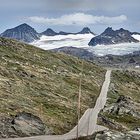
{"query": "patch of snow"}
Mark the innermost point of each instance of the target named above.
(137, 66)
(136, 36)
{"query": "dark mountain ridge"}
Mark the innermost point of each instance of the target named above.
(26, 33)
(110, 36)
(23, 32)
(50, 32)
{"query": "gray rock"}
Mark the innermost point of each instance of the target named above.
(110, 123)
(22, 125)
(124, 105)
(26, 124)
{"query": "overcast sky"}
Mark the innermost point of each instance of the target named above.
(71, 15)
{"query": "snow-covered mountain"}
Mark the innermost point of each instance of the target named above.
(110, 36)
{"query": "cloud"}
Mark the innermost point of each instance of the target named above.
(79, 19)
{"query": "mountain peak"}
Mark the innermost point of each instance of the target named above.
(24, 27)
(23, 32)
(121, 29)
(49, 32)
(86, 30)
(108, 30)
(49, 29)
(24, 24)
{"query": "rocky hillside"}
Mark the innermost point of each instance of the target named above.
(77, 52)
(109, 36)
(45, 85)
(131, 60)
(122, 108)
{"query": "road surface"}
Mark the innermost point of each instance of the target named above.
(87, 124)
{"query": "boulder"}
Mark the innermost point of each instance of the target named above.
(26, 124)
(22, 125)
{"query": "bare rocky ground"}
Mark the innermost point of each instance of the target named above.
(121, 113)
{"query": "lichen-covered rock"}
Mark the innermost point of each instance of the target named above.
(28, 124)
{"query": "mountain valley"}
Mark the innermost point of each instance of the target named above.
(40, 84)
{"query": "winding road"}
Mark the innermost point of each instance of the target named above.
(87, 124)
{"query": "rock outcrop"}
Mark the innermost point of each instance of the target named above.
(124, 105)
(22, 125)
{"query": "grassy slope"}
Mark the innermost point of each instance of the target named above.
(125, 83)
(45, 84)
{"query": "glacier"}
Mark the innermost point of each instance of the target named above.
(117, 49)
(53, 42)
(82, 40)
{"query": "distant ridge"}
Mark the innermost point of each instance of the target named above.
(25, 33)
(50, 32)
